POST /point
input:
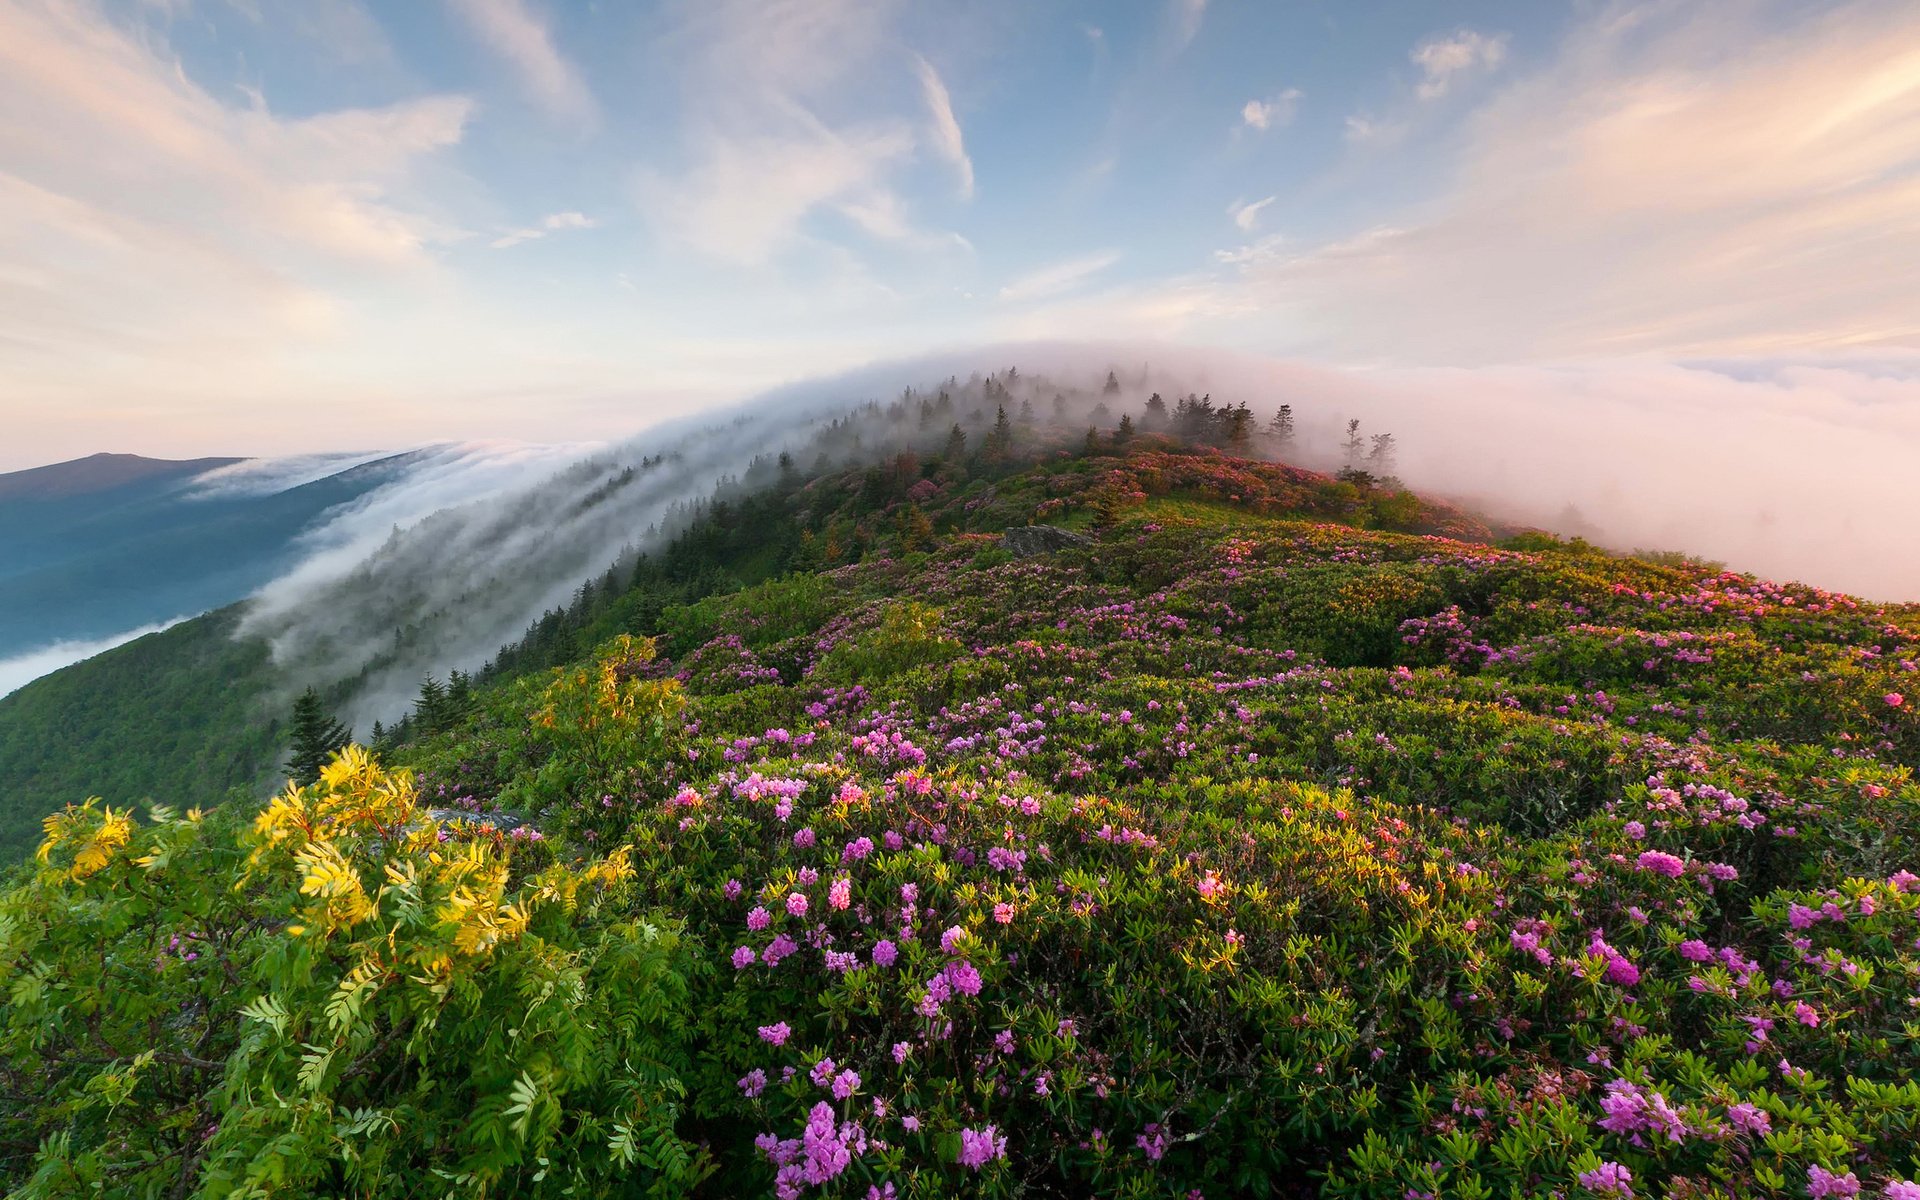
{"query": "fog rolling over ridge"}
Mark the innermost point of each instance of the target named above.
(1795, 473)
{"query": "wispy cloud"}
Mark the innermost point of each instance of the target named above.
(1186, 16)
(1785, 160)
(1059, 277)
(551, 223)
(521, 38)
(1360, 127)
(948, 141)
(1247, 216)
(1441, 59)
(784, 130)
(1277, 109)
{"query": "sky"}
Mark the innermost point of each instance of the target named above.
(282, 226)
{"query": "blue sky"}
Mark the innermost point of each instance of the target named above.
(262, 226)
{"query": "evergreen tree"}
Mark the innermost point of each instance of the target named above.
(459, 695)
(1281, 427)
(1355, 443)
(1059, 405)
(1113, 384)
(956, 448)
(430, 710)
(913, 528)
(1124, 434)
(1092, 445)
(315, 735)
(1000, 438)
(1156, 417)
(1380, 458)
(1239, 421)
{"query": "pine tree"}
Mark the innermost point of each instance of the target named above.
(1092, 445)
(315, 735)
(459, 695)
(1380, 458)
(913, 528)
(1355, 443)
(1000, 439)
(1124, 434)
(1156, 412)
(1239, 421)
(1113, 384)
(956, 448)
(430, 710)
(1281, 427)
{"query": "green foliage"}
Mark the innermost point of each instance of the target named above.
(334, 998)
(314, 736)
(1245, 852)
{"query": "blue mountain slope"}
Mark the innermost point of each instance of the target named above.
(105, 544)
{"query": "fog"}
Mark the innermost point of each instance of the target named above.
(22, 669)
(1792, 470)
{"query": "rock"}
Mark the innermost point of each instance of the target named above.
(497, 820)
(1028, 540)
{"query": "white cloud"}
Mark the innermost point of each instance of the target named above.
(948, 142)
(521, 38)
(1362, 128)
(1442, 58)
(788, 123)
(1059, 277)
(1275, 110)
(139, 215)
(1246, 215)
(1690, 183)
(551, 223)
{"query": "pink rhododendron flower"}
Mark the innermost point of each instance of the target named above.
(978, 1147)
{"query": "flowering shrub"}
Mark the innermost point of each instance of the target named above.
(1240, 854)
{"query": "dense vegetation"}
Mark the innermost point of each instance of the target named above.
(1288, 837)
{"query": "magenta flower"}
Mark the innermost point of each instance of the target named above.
(1751, 1119)
(845, 1084)
(1822, 1182)
(753, 1083)
(804, 838)
(1894, 699)
(885, 953)
(797, 904)
(743, 957)
(759, 918)
(978, 1147)
(822, 1072)
(1662, 863)
(840, 895)
(775, 1034)
(951, 939)
(1608, 1179)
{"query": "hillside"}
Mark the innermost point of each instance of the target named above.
(1236, 850)
(102, 545)
(99, 473)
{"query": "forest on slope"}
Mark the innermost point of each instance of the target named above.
(1287, 835)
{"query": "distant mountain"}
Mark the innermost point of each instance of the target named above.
(101, 473)
(102, 545)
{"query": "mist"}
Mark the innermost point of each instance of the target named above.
(1790, 470)
(22, 669)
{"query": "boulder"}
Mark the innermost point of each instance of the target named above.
(1028, 540)
(502, 821)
